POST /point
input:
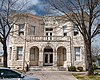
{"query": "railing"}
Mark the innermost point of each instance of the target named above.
(48, 38)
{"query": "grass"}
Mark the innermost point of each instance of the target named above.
(84, 77)
(97, 71)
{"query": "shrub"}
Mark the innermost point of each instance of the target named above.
(80, 68)
(72, 68)
(95, 66)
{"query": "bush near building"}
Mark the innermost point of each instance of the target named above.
(72, 68)
(80, 69)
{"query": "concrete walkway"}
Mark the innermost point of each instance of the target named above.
(52, 75)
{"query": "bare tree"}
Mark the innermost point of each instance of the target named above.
(6, 9)
(85, 14)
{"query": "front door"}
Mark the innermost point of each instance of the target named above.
(48, 59)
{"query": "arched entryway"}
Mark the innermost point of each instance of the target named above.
(34, 56)
(48, 56)
(61, 56)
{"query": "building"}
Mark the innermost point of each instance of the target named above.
(46, 41)
(1, 58)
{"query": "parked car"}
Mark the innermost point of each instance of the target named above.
(9, 74)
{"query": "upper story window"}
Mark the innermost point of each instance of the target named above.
(21, 29)
(77, 53)
(19, 53)
(65, 30)
(49, 29)
(31, 30)
(48, 33)
(76, 32)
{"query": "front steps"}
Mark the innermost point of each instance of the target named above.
(47, 68)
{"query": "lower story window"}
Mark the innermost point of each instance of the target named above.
(77, 53)
(19, 53)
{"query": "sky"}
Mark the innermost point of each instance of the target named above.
(38, 7)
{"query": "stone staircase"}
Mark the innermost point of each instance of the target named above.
(47, 68)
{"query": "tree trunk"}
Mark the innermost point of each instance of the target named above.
(5, 54)
(89, 57)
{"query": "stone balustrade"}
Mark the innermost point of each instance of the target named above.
(48, 38)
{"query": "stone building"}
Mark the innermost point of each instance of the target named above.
(45, 42)
(1, 58)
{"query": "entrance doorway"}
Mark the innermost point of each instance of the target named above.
(48, 56)
(34, 56)
(61, 56)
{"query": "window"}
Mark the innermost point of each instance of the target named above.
(19, 53)
(32, 54)
(76, 32)
(49, 33)
(21, 29)
(65, 30)
(10, 52)
(65, 34)
(31, 30)
(77, 53)
(49, 29)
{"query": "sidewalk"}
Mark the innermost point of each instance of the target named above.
(52, 75)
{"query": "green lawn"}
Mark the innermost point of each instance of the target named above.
(97, 71)
(84, 77)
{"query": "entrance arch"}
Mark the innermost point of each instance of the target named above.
(48, 56)
(34, 56)
(61, 55)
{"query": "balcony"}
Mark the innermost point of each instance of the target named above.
(48, 38)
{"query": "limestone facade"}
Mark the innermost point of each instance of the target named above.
(45, 41)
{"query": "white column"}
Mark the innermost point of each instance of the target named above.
(14, 53)
(54, 57)
(40, 57)
(13, 56)
(68, 57)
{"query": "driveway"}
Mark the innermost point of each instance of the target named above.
(52, 75)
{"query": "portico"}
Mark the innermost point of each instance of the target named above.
(48, 55)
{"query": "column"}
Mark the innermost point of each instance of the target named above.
(14, 53)
(68, 58)
(40, 57)
(54, 57)
(13, 56)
